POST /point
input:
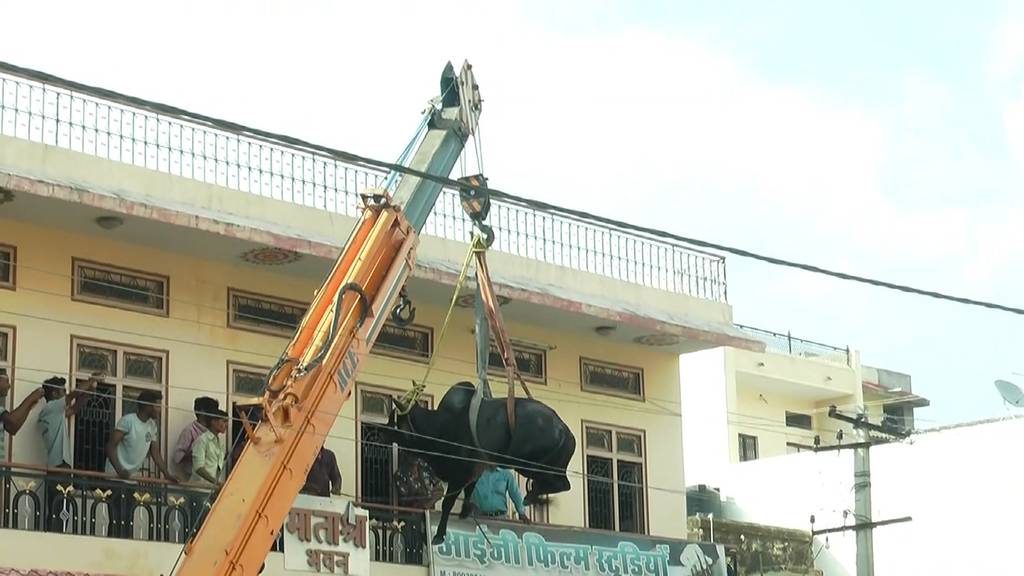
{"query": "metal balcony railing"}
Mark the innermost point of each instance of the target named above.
(90, 504)
(787, 344)
(49, 110)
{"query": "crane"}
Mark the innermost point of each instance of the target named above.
(314, 377)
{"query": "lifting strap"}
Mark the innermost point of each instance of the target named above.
(413, 395)
(502, 342)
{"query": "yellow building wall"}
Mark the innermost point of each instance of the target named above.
(200, 345)
(768, 384)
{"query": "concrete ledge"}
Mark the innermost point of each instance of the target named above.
(50, 172)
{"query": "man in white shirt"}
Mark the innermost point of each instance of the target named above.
(135, 439)
(61, 405)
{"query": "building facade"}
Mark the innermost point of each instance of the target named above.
(178, 255)
(742, 405)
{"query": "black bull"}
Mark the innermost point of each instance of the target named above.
(540, 447)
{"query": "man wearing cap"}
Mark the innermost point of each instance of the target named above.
(203, 407)
(53, 418)
(12, 420)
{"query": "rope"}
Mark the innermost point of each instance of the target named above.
(409, 398)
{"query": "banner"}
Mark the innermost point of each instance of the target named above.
(498, 548)
(327, 536)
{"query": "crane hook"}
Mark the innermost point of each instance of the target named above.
(404, 313)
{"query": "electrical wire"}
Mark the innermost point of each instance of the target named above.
(526, 464)
(578, 215)
(651, 400)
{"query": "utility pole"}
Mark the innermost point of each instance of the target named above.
(864, 525)
(862, 507)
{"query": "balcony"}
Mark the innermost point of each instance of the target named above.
(43, 109)
(85, 503)
(787, 344)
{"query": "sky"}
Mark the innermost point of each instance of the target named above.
(882, 139)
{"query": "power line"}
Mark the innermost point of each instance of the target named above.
(577, 215)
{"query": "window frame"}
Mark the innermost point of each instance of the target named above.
(231, 396)
(76, 296)
(791, 416)
(400, 354)
(236, 325)
(757, 450)
(641, 397)
(360, 389)
(9, 365)
(13, 251)
(615, 456)
(496, 371)
(119, 382)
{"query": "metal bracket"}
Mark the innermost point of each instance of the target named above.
(375, 198)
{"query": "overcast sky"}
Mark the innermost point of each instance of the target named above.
(884, 139)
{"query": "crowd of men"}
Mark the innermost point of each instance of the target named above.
(199, 455)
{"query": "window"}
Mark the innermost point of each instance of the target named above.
(895, 416)
(245, 382)
(611, 378)
(130, 370)
(7, 365)
(616, 493)
(748, 447)
(798, 420)
(8, 266)
(376, 460)
(532, 362)
(119, 287)
(264, 314)
(413, 341)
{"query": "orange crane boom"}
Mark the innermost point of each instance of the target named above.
(308, 387)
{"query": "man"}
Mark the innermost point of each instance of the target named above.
(182, 455)
(493, 488)
(135, 439)
(53, 418)
(324, 478)
(13, 420)
(208, 451)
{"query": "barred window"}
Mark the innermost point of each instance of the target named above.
(413, 341)
(609, 378)
(119, 287)
(245, 382)
(8, 266)
(130, 371)
(532, 362)
(616, 490)
(264, 314)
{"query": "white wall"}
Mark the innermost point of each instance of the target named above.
(703, 377)
(962, 486)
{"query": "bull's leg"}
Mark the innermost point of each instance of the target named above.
(467, 500)
(446, 509)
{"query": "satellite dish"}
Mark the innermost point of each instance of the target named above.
(1011, 393)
